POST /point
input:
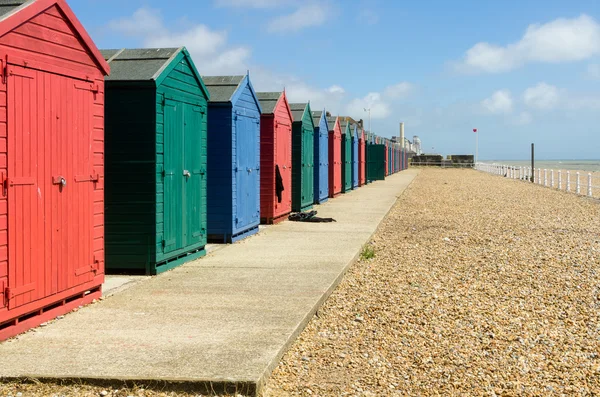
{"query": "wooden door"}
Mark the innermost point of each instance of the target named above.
(283, 159)
(50, 184)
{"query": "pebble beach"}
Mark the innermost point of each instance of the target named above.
(480, 286)
(473, 285)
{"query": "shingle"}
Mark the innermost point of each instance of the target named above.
(331, 123)
(297, 110)
(140, 64)
(7, 6)
(316, 115)
(268, 101)
(222, 88)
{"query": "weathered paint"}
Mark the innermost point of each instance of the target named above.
(303, 130)
(51, 165)
(387, 155)
(335, 157)
(233, 163)
(354, 131)
(321, 157)
(275, 151)
(155, 163)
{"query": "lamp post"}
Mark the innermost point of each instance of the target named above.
(476, 145)
(369, 110)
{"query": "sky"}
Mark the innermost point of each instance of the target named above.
(518, 71)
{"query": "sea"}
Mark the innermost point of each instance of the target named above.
(576, 165)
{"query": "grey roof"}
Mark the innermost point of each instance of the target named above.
(343, 124)
(297, 110)
(7, 6)
(331, 123)
(222, 88)
(140, 64)
(316, 115)
(268, 101)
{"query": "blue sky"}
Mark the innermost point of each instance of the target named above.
(519, 71)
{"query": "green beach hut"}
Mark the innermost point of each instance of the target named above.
(346, 155)
(303, 131)
(155, 165)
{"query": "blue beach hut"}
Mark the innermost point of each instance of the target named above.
(354, 130)
(321, 168)
(233, 158)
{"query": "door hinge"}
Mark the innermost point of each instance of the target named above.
(5, 69)
(10, 293)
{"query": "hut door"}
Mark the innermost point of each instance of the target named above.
(173, 177)
(247, 178)
(195, 174)
(283, 133)
(307, 167)
(49, 184)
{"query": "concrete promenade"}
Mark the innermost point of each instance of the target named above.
(224, 319)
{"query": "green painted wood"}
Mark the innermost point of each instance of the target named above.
(303, 162)
(155, 210)
(376, 162)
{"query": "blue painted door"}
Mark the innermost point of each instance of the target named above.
(323, 163)
(354, 160)
(247, 173)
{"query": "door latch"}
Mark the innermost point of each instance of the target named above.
(186, 173)
(59, 180)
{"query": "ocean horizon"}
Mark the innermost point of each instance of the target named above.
(576, 165)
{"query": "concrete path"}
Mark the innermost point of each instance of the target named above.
(222, 320)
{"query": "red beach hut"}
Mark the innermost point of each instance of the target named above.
(362, 176)
(51, 164)
(275, 157)
(335, 156)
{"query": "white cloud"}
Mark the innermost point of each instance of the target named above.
(336, 89)
(207, 47)
(523, 118)
(143, 21)
(500, 102)
(331, 98)
(374, 101)
(543, 96)
(303, 17)
(399, 90)
(252, 3)
(561, 40)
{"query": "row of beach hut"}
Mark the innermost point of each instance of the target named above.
(130, 161)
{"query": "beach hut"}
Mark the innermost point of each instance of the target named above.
(387, 155)
(321, 156)
(376, 162)
(303, 131)
(52, 174)
(155, 160)
(354, 155)
(233, 165)
(335, 156)
(346, 155)
(361, 158)
(275, 157)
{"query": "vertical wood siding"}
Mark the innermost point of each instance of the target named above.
(67, 120)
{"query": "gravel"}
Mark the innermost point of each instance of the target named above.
(480, 285)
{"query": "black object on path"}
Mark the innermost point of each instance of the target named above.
(308, 217)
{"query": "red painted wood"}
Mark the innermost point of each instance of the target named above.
(276, 149)
(61, 8)
(51, 127)
(335, 159)
(362, 171)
